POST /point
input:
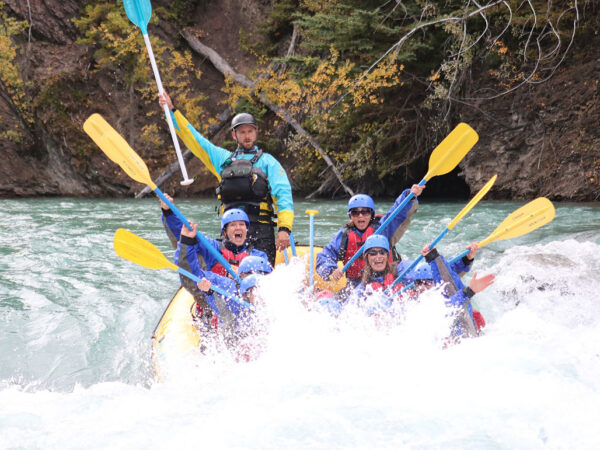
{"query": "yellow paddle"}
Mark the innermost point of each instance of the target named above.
(118, 150)
(450, 226)
(444, 158)
(527, 218)
(133, 248)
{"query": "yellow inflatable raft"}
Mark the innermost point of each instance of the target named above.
(175, 336)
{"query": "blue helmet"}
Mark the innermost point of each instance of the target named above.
(423, 272)
(361, 201)
(254, 264)
(249, 282)
(376, 241)
(231, 215)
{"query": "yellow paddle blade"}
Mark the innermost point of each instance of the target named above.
(446, 156)
(473, 201)
(138, 250)
(117, 149)
(527, 218)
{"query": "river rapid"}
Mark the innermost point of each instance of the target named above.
(76, 322)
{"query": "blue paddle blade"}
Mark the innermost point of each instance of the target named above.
(139, 12)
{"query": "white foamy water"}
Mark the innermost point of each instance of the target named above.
(76, 321)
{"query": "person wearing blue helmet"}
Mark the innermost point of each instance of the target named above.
(249, 178)
(233, 245)
(193, 255)
(468, 321)
(248, 288)
(254, 265)
(363, 223)
(422, 277)
(379, 272)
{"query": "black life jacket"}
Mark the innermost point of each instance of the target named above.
(244, 186)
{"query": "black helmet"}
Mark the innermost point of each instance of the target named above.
(243, 119)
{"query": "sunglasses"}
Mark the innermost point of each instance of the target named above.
(360, 212)
(380, 251)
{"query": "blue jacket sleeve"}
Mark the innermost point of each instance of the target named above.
(224, 283)
(327, 258)
(400, 217)
(206, 254)
(443, 273)
(172, 226)
(461, 266)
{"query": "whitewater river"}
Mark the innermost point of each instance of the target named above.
(76, 322)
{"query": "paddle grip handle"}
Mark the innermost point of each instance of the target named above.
(221, 291)
(199, 235)
(461, 256)
(186, 179)
(384, 224)
(285, 256)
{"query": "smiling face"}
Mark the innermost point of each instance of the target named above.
(377, 259)
(245, 135)
(236, 232)
(361, 217)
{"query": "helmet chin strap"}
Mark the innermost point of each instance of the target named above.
(236, 140)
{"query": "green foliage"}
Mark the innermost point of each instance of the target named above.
(12, 85)
(120, 48)
(106, 26)
(278, 24)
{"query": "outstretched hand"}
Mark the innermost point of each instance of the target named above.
(479, 284)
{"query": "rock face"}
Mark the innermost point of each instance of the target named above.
(542, 140)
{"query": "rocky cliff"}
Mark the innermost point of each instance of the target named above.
(542, 139)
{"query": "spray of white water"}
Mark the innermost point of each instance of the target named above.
(532, 380)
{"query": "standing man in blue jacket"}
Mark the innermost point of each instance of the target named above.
(249, 179)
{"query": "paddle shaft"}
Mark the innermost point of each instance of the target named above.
(285, 256)
(221, 291)
(417, 260)
(293, 243)
(186, 179)
(199, 235)
(461, 256)
(311, 243)
(384, 224)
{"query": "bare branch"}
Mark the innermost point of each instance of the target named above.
(222, 65)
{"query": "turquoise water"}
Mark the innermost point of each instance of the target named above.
(76, 321)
